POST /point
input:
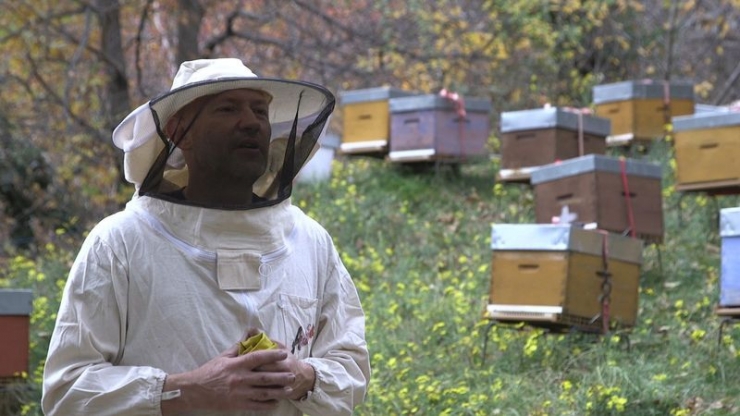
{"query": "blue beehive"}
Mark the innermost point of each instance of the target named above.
(729, 293)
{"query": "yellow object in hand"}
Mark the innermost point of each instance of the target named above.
(256, 343)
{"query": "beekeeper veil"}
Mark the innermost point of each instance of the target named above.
(298, 114)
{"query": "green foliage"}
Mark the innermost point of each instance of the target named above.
(66, 84)
(24, 178)
(52, 88)
(417, 245)
(45, 276)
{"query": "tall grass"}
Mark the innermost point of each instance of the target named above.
(417, 243)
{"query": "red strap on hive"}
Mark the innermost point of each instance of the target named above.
(627, 196)
(606, 291)
(459, 103)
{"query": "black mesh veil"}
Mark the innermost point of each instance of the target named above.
(299, 112)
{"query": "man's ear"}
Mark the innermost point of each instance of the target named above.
(174, 131)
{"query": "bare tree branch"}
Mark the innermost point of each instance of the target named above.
(137, 49)
(228, 32)
(189, 17)
(76, 56)
(727, 87)
(80, 121)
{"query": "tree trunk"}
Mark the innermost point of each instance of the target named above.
(190, 14)
(116, 103)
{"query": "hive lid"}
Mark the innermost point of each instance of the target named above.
(593, 163)
(436, 102)
(709, 108)
(545, 118)
(626, 90)
(371, 94)
(330, 140)
(706, 120)
(564, 237)
(729, 222)
(16, 302)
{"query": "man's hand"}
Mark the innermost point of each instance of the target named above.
(254, 381)
(305, 375)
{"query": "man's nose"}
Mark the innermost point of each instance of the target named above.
(248, 120)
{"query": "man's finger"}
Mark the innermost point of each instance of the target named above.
(233, 351)
(263, 357)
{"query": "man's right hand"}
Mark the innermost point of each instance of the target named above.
(230, 382)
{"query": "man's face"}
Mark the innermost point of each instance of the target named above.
(229, 137)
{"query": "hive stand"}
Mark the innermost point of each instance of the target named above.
(516, 176)
(438, 164)
(712, 194)
(729, 317)
(554, 329)
(730, 187)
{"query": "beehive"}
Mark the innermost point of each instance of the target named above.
(639, 110)
(428, 127)
(366, 119)
(549, 273)
(532, 138)
(707, 151)
(729, 291)
(616, 194)
(15, 311)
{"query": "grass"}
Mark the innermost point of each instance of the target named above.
(417, 244)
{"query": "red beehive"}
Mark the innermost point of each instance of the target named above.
(15, 311)
(621, 196)
(537, 137)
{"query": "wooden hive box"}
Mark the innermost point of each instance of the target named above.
(637, 109)
(729, 291)
(428, 127)
(15, 312)
(532, 138)
(707, 149)
(592, 186)
(548, 273)
(366, 119)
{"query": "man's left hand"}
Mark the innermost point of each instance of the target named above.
(305, 375)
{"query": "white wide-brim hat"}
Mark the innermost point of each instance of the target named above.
(141, 134)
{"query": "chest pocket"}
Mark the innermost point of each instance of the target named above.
(299, 319)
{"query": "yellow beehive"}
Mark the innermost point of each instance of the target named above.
(549, 273)
(366, 119)
(707, 151)
(637, 109)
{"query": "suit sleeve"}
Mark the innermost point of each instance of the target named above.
(80, 375)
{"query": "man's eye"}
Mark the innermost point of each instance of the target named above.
(260, 111)
(226, 108)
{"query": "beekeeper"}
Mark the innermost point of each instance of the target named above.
(210, 251)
